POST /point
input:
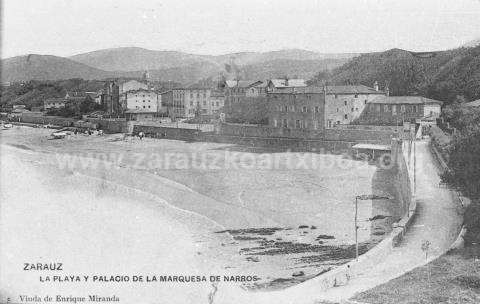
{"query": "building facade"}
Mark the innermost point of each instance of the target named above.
(53, 103)
(344, 104)
(399, 109)
(142, 99)
(305, 110)
(192, 101)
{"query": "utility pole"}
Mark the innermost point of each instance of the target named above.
(356, 228)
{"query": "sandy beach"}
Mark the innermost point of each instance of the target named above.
(136, 219)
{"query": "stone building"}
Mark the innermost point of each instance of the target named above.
(192, 101)
(398, 109)
(297, 110)
(110, 99)
(345, 103)
(143, 99)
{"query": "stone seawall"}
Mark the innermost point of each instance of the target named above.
(342, 274)
(373, 134)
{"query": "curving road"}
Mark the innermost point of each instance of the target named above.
(438, 220)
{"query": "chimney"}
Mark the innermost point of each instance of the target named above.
(375, 85)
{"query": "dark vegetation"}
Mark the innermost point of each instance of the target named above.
(462, 151)
(438, 75)
(33, 93)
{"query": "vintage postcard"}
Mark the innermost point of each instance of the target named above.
(241, 151)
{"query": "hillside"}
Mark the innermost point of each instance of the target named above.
(46, 67)
(287, 67)
(137, 59)
(440, 75)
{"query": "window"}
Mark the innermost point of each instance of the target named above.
(292, 108)
(352, 109)
(285, 109)
(345, 102)
(149, 107)
(415, 109)
(297, 124)
(336, 96)
(356, 95)
(377, 108)
(337, 110)
(365, 102)
(304, 109)
(275, 123)
(402, 108)
(385, 108)
(317, 110)
(346, 116)
(285, 123)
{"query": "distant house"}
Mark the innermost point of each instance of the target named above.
(53, 103)
(237, 90)
(285, 85)
(473, 104)
(398, 109)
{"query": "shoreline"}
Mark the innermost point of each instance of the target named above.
(289, 233)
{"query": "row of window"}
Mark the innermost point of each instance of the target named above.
(205, 103)
(292, 108)
(394, 108)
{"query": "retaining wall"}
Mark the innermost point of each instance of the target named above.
(166, 132)
(342, 274)
(372, 134)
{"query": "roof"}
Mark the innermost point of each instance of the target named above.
(241, 83)
(372, 147)
(405, 100)
(139, 111)
(141, 90)
(288, 83)
(352, 89)
(475, 103)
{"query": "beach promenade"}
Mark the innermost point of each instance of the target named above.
(438, 221)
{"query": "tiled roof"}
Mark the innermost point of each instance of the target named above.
(352, 89)
(241, 83)
(288, 83)
(475, 103)
(405, 100)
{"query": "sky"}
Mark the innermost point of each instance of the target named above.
(68, 27)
